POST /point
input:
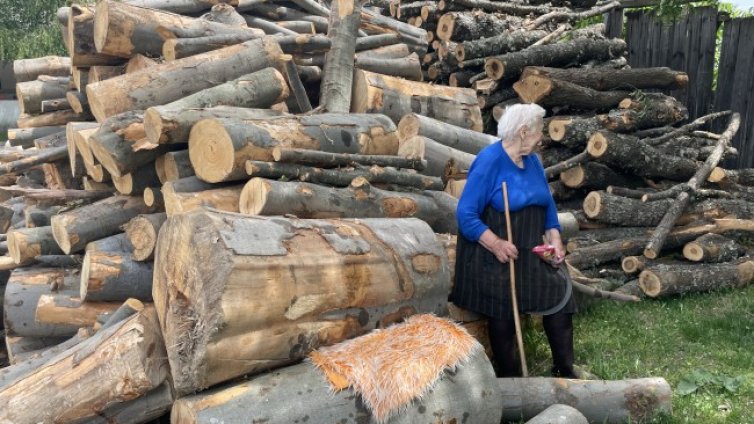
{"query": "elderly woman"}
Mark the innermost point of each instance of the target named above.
(482, 275)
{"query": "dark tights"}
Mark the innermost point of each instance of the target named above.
(559, 330)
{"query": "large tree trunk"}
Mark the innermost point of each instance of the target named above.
(190, 193)
(652, 111)
(142, 231)
(173, 166)
(74, 229)
(114, 276)
(449, 135)
(80, 33)
(460, 26)
(61, 309)
(497, 44)
(463, 394)
(345, 19)
(611, 402)
(384, 276)
(165, 126)
(550, 92)
(605, 79)
(29, 69)
(360, 200)
(27, 243)
(171, 81)
(90, 364)
(511, 65)
(219, 148)
(664, 280)
(395, 97)
(712, 248)
(31, 94)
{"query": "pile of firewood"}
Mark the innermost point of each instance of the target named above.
(199, 193)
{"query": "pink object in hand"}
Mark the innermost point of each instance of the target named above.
(548, 253)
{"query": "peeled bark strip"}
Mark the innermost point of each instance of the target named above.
(605, 79)
(459, 26)
(612, 402)
(29, 69)
(334, 160)
(31, 94)
(44, 156)
(712, 248)
(142, 231)
(114, 277)
(664, 280)
(447, 134)
(550, 92)
(141, 356)
(80, 33)
(62, 309)
(497, 44)
(359, 200)
(395, 97)
(341, 177)
(655, 111)
(464, 393)
(171, 81)
(27, 243)
(572, 131)
(511, 65)
(60, 117)
(165, 126)
(631, 155)
(345, 19)
(134, 183)
(74, 229)
(173, 166)
(409, 276)
(594, 176)
(190, 193)
(219, 148)
(406, 67)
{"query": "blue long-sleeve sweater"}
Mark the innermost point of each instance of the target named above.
(527, 186)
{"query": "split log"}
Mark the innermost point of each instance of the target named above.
(78, 102)
(171, 81)
(594, 176)
(712, 248)
(497, 45)
(173, 166)
(653, 111)
(27, 243)
(345, 19)
(134, 183)
(511, 65)
(31, 94)
(559, 414)
(603, 401)
(359, 200)
(550, 92)
(74, 229)
(663, 280)
(465, 140)
(114, 276)
(190, 193)
(219, 148)
(142, 231)
(605, 79)
(60, 117)
(30, 69)
(389, 274)
(43, 156)
(463, 393)
(103, 72)
(459, 26)
(22, 294)
(25, 137)
(141, 358)
(631, 155)
(395, 97)
(80, 33)
(321, 159)
(164, 125)
(407, 67)
(61, 309)
(342, 177)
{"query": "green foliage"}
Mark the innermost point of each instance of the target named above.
(29, 28)
(699, 379)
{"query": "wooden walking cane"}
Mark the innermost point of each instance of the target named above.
(514, 299)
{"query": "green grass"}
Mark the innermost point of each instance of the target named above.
(712, 332)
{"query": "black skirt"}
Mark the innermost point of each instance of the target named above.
(482, 283)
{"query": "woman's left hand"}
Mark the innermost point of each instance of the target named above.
(553, 238)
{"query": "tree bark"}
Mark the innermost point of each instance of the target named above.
(183, 7)
(387, 273)
(27, 243)
(219, 148)
(44, 156)
(89, 364)
(342, 177)
(74, 229)
(394, 51)
(549, 92)
(374, 93)
(440, 158)
(142, 231)
(606, 79)
(498, 44)
(171, 81)
(114, 277)
(511, 65)
(559, 414)
(459, 26)
(61, 309)
(320, 159)
(610, 402)
(712, 248)
(594, 176)
(722, 176)
(20, 348)
(616, 210)
(663, 280)
(447, 134)
(359, 200)
(31, 94)
(173, 166)
(345, 19)
(572, 131)
(406, 67)
(190, 193)
(144, 409)
(30, 69)
(655, 111)
(25, 137)
(303, 43)
(300, 97)
(39, 216)
(81, 46)
(178, 48)
(134, 183)
(415, 38)
(57, 118)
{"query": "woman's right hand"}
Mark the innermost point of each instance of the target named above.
(502, 249)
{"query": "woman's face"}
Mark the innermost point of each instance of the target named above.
(531, 137)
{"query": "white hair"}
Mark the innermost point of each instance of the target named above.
(516, 116)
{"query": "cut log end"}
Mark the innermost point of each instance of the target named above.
(494, 68)
(597, 145)
(445, 27)
(625, 103)
(650, 283)
(631, 264)
(254, 196)
(153, 126)
(533, 88)
(60, 234)
(693, 252)
(651, 253)
(593, 204)
(211, 150)
(124, 183)
(574, 177)
(717, 175)
(556, 129)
